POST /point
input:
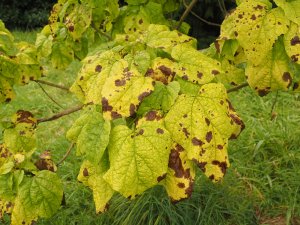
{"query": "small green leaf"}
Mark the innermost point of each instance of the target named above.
(138, 158)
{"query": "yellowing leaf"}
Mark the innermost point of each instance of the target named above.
(123, 92)
(181, 173)
(194, 66)
(291, 9)
(138, 158)
(202, 125)
(292, 42)
(256, 27)
(273, 73)
(159, 36)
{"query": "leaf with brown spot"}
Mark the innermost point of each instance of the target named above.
(292, 46)
(192, 114)
(180, 176)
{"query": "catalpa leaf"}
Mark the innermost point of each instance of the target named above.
(273, 73)
(123, 92)
(138, 158)
(194, 66)
(291, 9)
(292, 42)
(162, 98)
(162, 69)
(181, 173)
(93, 74)
(38, 196)
(202, 125)
(22, 136)
(256, 27)
(160, 36)
(92, 176)
(91, 134)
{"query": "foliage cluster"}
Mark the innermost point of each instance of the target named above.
(154, 107)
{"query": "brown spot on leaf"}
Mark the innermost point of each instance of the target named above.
(208, 136)
(132, 109)
(253, 17)
(215, 72)
(217, 45)
(144, 95)
(165, 70)
(295, 57)
(220, 147)
(140, 21)
(185, 77)
(196, 141)
(199, 75)
(141, 132)
(181, 185)
(207, 121)
(152, 115)
(159, 131)
(25, 117)
(222, 165)
(211, 177)
(98, 68)
(149, 72)
(160, 178)
(201, 165)
(287, 78)
(295, 40)
(236, 33)
(115, 115)
(186, 133)
(85, 172)
(105, 105)
(296, 85)
(262, 92)
(258, 7)
(71, 28)
(119, 82)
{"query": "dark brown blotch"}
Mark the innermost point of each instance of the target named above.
(181, 185)
(105, 105)
(144, 95)
(197, 142)
(287, 78)
(199, 75)
(132, 109)
(25, 117)
(208, 136)
(295, 40)
(207, 121)
(160, 178)
(98, 68)
(115, 115)
(152, 115)
(215, 72)
(119, 82)
(165, 70)
(160, 131)
(85, 172)
(185, 131)
(253, 17)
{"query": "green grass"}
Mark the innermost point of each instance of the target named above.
(262, 183)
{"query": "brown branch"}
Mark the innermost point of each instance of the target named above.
(237, 87)
(48, 95)
(200, 18)
(186, 13)
(61, 114)
(66, 154)
(52, 85)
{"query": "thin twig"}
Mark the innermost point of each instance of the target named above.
(66, 154)
(200, 18)
(52, 85)
(48, 95)
(237, 87)
(186, 13)
(61, 114)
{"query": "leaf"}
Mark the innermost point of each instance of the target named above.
(91, 134)
(92, 176)
(256, 28)
(202, 125)
(162, 98)
(38, 196)
(140, 60)
(273, 73)
(194, 66)
(291, 9)
(123, 92)
(181, 173)
(292, 42)
(62, 55)
(138, 158)
(22, 136)
(159, 36)
(93, 74)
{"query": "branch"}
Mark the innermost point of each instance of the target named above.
(237, 87)
(186, 13)
(66, 154)
(48, 95)
(61, 114)
(200, 18)
(52, 85)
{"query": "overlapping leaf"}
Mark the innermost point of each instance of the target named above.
(91, 134)
(202, 125)
(138, 158)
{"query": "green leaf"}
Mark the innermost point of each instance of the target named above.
(202, 125)
(140, 60)
(62, 55)
(91, 134)
(38, 196)
(256, 28)
(181, 173)
(292, 42)
(162, 98)
(123, 92)
(138, 158)
(291, 9)
(194, 66)
(273, 73)
(160, 36)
